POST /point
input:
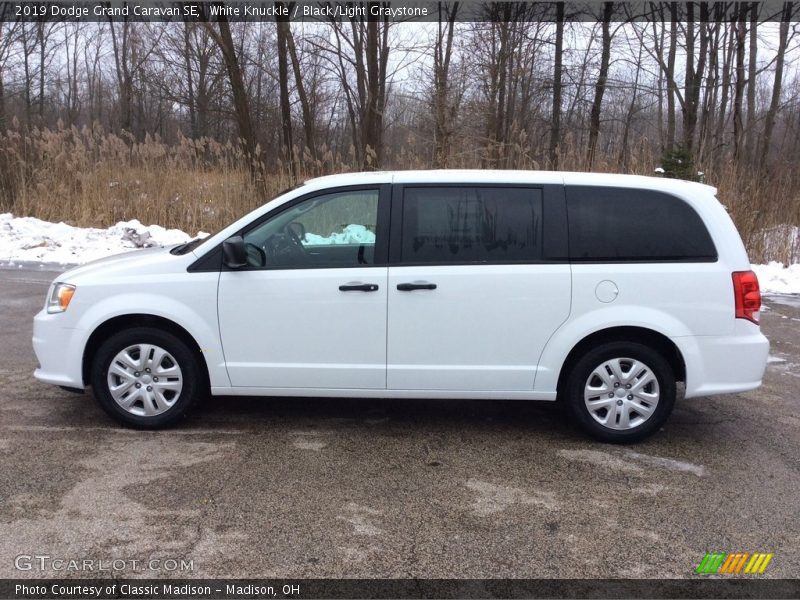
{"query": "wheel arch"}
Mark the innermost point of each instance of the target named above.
(129, 321)
(658, 341)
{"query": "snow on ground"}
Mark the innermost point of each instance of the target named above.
(776, 279)
(29, 239)
(34, 240)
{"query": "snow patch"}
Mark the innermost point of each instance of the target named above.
(774, 278)
(30, 239)
(623, 463)
(360, 517)
(493, 498)
(668, 463)
(600, 458)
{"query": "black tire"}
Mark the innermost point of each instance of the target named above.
(193, 379)
(579, 377)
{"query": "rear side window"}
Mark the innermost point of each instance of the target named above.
(623, 224)
(447, 225)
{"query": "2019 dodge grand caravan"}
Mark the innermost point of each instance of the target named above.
(601, 291)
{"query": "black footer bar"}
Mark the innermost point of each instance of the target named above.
(45, 589)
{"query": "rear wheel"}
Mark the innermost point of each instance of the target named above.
(145, 377)
(621, 391)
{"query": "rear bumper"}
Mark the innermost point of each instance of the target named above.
(59, 351)
(724, 364)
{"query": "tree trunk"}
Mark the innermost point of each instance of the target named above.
(600, 85)
(26, 52)
(376, 54)
(500, 108)
(124, 83)
(241, 103)
(738, 90)
(622, 161)
(2, 104)
(671, 86)
(2, 84)
(751, 81)
(658, 40)
(777, 84)
(727, 69)
(187, 53)
(282, 24)
(309, 126)
(555, 124)
(443, 49)
(42, 39)
(710, 94)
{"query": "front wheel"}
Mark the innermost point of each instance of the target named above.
(621, 391)
(145, 377)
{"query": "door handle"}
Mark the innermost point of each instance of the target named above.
(359, 287)
(421, 285)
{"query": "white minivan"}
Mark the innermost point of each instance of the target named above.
(601, 291)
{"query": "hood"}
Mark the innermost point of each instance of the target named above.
(152, 260)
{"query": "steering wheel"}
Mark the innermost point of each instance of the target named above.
(256, 257)
(294, 239)
(284, 248)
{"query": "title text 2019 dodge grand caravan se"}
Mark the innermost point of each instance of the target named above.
(601, 290)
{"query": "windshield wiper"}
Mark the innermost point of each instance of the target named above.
(186, 246)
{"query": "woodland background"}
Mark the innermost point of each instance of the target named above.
(190, 125)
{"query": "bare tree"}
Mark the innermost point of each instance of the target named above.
(361, 51)
(28, 42)
(8, 32)
(516, 89)
(624, 151)
(282, 26)
(777, 84)
(558, 60)
(600, 85)
(241, 102)
(72, 37)
(752, 67)
(669, 72)
(443, 107)
(695, 69)
(740, 80)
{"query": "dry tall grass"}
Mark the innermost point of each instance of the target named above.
(89, 177)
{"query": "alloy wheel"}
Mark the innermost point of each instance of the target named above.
(621, 393)
(145, 380)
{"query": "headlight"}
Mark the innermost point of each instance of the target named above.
(60, 297)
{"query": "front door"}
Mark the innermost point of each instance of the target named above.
(309, 311)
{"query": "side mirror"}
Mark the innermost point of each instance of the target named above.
(234, 254)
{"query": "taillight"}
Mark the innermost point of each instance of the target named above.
(747, 295)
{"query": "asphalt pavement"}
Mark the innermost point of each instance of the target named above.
(288, 487)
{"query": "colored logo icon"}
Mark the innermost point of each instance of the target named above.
(737, 563)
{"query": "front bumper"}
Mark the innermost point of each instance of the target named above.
(59, 350)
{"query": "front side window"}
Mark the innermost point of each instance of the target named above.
(451, 225)
(626, 224)
(330, 230)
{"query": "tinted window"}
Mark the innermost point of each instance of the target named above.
(445, 225)
(330, 230)
(621, 224)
